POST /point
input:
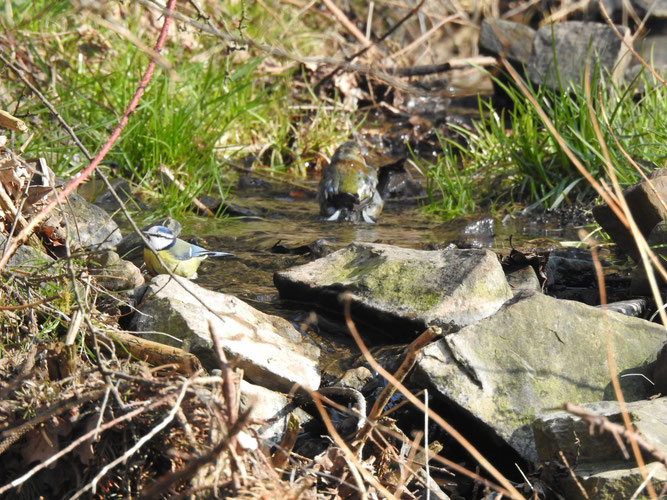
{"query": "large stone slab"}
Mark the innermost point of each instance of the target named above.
(534, 354)
(572, 43)
(268, 349)
(400, 289)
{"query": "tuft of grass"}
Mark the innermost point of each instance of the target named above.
(450, 180)
(513, 154)
(214, 105)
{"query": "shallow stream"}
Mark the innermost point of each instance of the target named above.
(291, 218)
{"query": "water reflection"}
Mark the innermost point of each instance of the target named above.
(293, 221)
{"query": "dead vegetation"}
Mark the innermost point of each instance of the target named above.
(79, 418)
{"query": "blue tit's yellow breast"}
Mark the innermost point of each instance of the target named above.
(180, 267)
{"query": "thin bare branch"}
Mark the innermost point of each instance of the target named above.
(509, 489)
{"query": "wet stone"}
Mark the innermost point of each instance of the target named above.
(534, 354)
(399, 291)
(218, 206)
(355, 378)
(567, 269)
(249, 182)
(395, 181)
(524, 279)
(107, 201)
(480, 233)
(630, 307)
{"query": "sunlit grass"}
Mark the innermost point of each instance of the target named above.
(514, 156)
(450, 181)
(213, 107)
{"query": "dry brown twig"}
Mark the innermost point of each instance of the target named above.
(79, 441)
(507, 487)
(92, 485)
(406, 365)
(10, 122)
(419, 41)
(164, 483)
(347, 452)
(573, 476)
(351, 28)
(342, 64)
(603, 424)
(360, 52)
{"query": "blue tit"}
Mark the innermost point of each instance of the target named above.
(348, 188)
(180, 257)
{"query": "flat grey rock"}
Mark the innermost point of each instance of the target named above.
(536, 353)
(268, 348)
(401, 289)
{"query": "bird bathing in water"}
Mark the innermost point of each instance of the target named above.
(348, 188)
